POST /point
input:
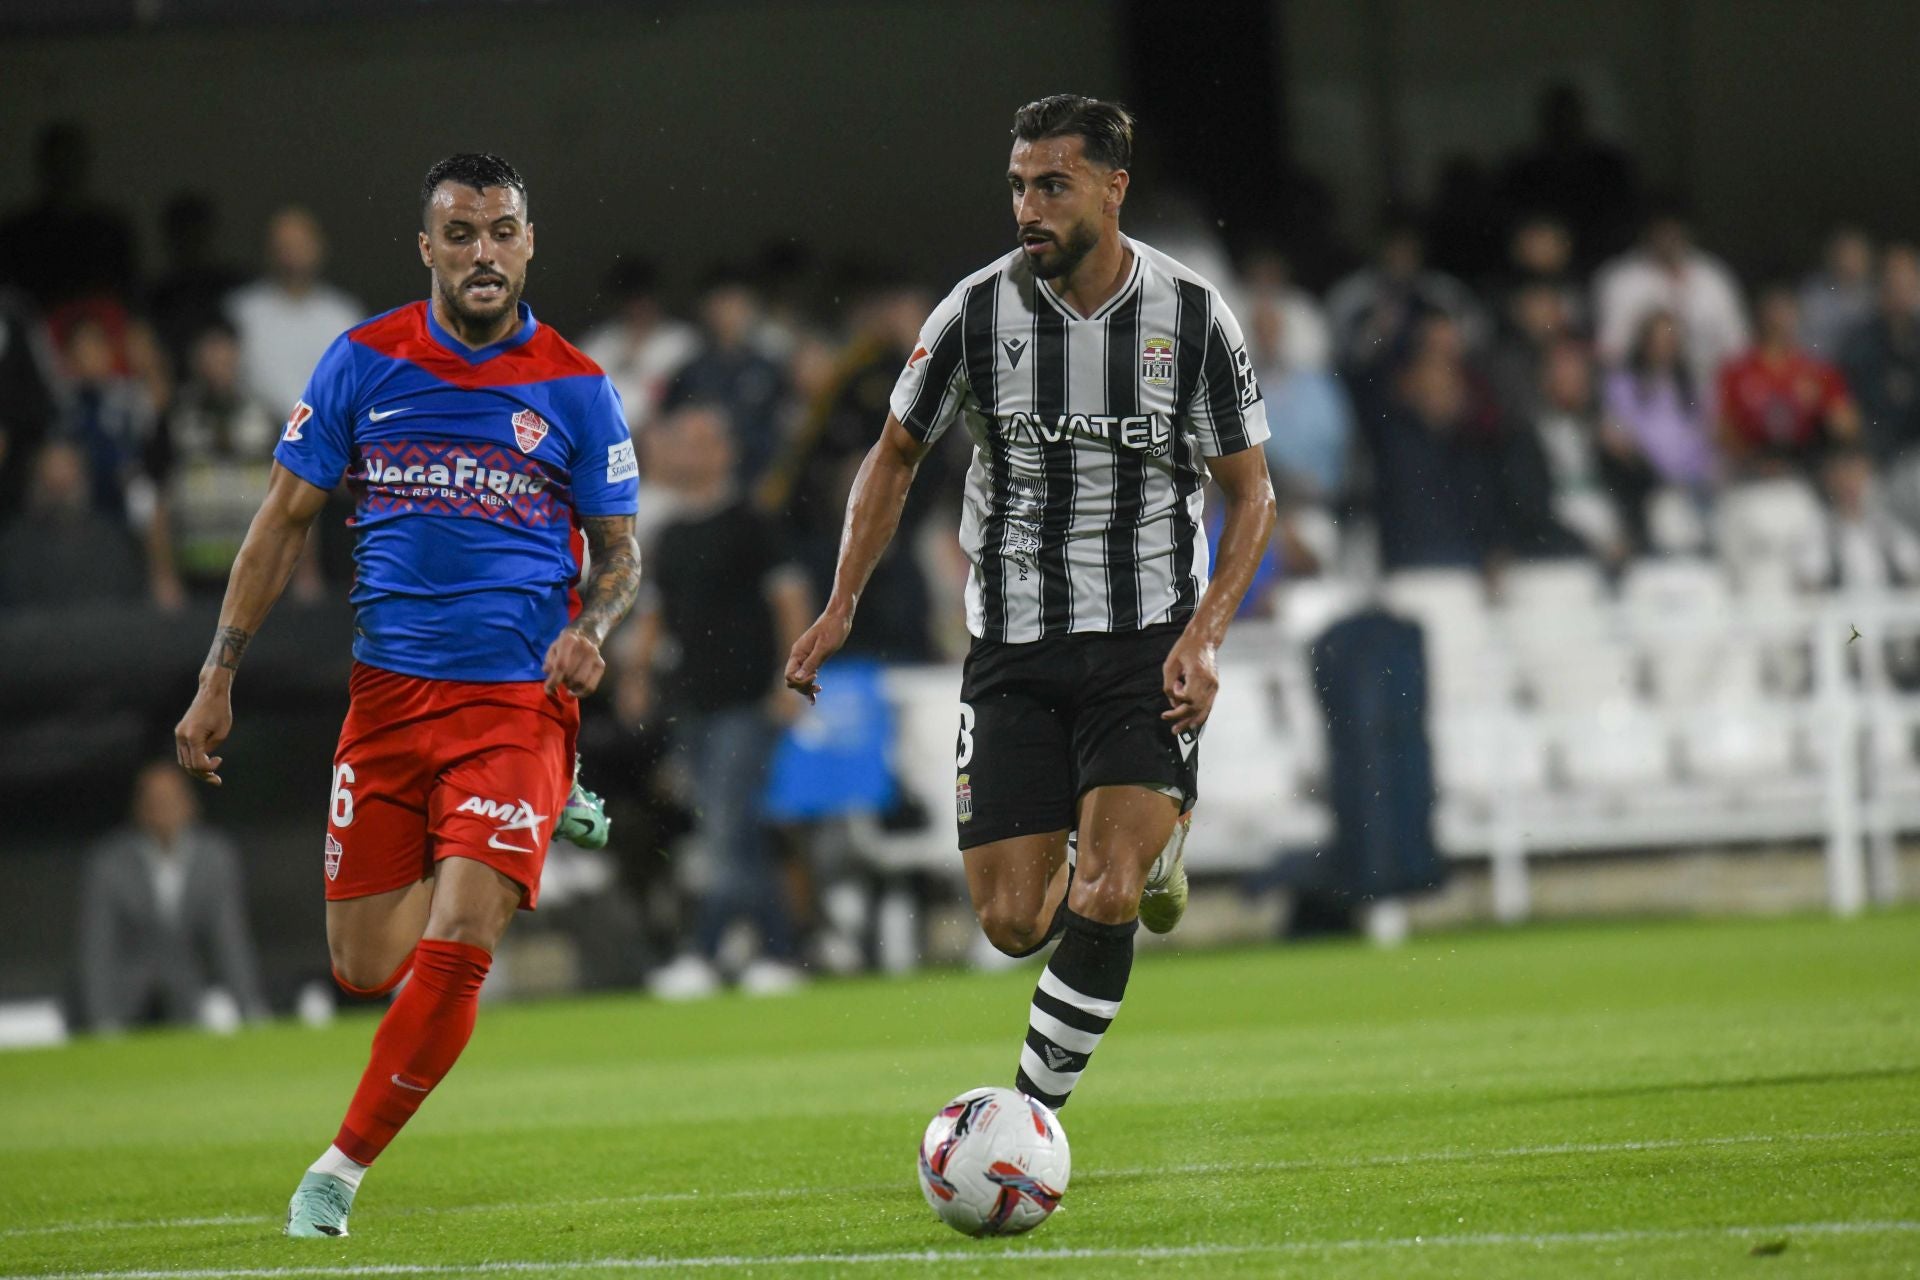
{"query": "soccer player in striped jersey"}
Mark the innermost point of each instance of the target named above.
(485, 454)
(1103, 384)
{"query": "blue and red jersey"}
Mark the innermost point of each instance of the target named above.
(469, 470)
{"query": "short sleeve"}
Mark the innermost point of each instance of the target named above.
(1227, 412)
(927, 396)
(318, 438)
(606, 475)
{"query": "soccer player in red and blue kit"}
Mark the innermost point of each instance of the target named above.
(480, 449)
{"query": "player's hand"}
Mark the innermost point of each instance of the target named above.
(816, 645)
(201, 731)
(573, 663)
(1190, 677)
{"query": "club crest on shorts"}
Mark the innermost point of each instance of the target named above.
(333, 857)
(529, 429)
(963, 797)
(1156, 361)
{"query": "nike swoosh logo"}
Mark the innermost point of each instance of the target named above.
(495, 842)
(378, 415)
(408, 1084)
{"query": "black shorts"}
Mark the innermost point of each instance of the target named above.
(1044, 722)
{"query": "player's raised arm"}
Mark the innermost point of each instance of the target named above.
(274, 543)
(873, 514)
(573, 660)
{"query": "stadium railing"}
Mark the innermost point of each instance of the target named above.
(1567, 718)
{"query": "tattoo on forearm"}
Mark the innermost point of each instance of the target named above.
(228, 644)
(613, 578)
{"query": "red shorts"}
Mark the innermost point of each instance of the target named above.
(431, 769)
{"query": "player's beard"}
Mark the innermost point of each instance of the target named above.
(1067, 254)
(480, 317)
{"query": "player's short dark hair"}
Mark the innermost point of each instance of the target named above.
(1104, 128)
(475, 169)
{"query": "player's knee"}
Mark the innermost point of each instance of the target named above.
(1013, 932)
(475, 927)
(1110, 895)
(365, 971)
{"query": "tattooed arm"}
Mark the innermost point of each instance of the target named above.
(613, 577)
(267, 558)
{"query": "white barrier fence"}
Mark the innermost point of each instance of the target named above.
(1568, 718)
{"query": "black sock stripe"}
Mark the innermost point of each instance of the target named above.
(1055, 1101)
(1100, 929)
(1078, 1019)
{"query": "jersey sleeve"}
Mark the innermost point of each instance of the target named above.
(606, 474)
(927, 396)
(1227, 413)
(318, 438)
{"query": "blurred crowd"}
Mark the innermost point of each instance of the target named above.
(1542, 362)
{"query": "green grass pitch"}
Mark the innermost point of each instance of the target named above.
(1663, 1099)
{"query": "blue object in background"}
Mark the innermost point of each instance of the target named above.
(833, 760)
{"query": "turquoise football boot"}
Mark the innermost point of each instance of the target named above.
(583, 823)
(319, 1207)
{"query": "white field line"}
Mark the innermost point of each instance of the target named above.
(721, 1262)
(1448, 1156)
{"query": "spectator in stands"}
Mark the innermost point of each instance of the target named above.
(1536, 319)
(1881, 358)
(808, 484)
(28, 371)
(1838, 298)
(1307, 412)
(1864, 548)
(192, 293)
(1568, 487)
(110, 416)
(1540, 253)
(287, 318)
(1375, 310)
(1781, 405)
(1590, 185)
(211, 462)
(733, 372)
(727, 602)
(1433, 464)
(1667, 273)
(641, 347)
(163, 918)
(61, 551)
(1652, 402)
(65, 246)
(1305, 340)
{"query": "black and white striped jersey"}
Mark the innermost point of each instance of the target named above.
(1090, 438)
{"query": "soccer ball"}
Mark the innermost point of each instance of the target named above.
(994, 1163)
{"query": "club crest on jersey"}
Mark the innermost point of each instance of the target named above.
(334, 851)
(529, 429)
(297, 419)
(963, 797)
(1156, 361)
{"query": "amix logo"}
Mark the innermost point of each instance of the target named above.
(1146, 433)
(512, 816)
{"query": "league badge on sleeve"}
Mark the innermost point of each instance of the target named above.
(297, 419)
(334, 851)
(529, 429)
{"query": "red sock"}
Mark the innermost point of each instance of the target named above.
(393, 980)
(418, 1042)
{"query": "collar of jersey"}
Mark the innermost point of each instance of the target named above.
(480, 355)
(1133, 279)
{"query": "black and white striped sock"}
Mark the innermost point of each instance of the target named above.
(1075, 1002)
